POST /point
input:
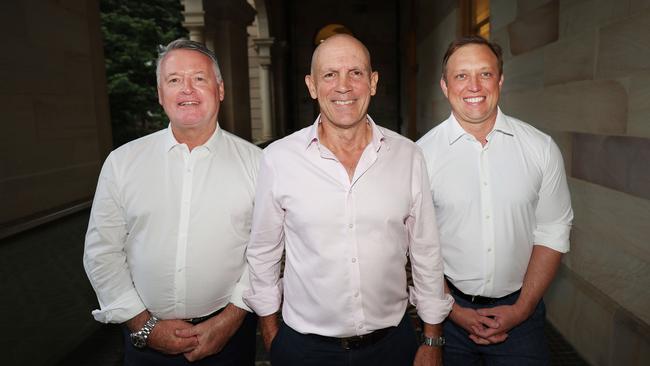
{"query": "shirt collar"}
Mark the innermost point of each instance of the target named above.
(500, 124)
(211, 144)
(376, 140)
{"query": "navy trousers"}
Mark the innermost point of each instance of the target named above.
(397, 348)
(525, 345)
(239, 351)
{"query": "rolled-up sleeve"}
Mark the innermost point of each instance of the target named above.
(104, 256)
(553, 214)
(428, 292)
(266, 244)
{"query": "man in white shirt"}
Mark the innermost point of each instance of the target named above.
(348, 201)
(504, 214)
(165, 247)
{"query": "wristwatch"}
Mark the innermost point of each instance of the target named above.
(139, 338)
(433, 342)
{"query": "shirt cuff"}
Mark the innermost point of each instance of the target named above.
(237, 297)
(126, 307)
(431, 310)
(555, 237)
(265, 302)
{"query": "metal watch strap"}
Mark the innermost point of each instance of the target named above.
(433, 342)
(140, 337)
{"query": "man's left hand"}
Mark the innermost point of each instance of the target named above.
(428, 356)
(214, 333)
(508, 317)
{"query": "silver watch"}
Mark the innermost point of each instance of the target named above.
(139, 338)
(433, 342)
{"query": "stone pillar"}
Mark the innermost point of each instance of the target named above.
(225, 33)
(194, 19)
(263, 47)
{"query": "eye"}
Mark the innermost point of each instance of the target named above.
(486, 74)
(460, 77)
(328, 75)
(356, 73)
(173, 80)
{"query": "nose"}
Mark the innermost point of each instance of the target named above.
(343, 84)
(474, 84)
(188, 88)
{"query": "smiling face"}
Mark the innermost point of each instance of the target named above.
(342, 81)
(189, 92)
(473, 84)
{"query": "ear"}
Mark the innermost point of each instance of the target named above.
(501, 81)
(221, 89)
(443, 86)
(374, 79)
(160, 98)
(311, 86)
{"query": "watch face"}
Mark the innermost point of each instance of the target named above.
(138, 340)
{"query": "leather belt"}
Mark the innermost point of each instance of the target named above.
(201, 319)
(356, 342)
(476, 299)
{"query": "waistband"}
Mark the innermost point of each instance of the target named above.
(476, 299)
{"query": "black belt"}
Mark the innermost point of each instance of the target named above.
(355, 342)
(201, 319)
(476, 299)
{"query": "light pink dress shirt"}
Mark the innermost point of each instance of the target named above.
(346, 241)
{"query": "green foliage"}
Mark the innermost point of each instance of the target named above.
(133, 30)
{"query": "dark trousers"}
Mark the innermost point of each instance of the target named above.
(525, 345)
(397, 348)
(239, 351)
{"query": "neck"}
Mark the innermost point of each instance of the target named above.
(345, 139)
(479, 130)
(193, 137)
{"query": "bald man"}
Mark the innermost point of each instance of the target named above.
(349, 202)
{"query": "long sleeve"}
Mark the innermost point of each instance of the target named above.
(266, 244)
(553, 214)
(104, 255)
(428, 293)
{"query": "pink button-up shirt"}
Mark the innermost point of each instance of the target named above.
(346, 241)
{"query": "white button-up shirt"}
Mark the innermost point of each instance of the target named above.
(169, 227)
(495, 202)
(346, 241)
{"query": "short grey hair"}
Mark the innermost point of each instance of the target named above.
(186, 44)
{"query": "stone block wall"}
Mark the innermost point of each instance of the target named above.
(55, 122)
(579, 70)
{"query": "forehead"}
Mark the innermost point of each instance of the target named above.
(341, 53)
(472, 56)
(178, 60)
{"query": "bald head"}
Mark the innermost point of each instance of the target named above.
(338, 42)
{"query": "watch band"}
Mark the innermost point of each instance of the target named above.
(139, 338)
(433, 342)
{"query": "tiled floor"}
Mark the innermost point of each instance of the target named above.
(104, 348)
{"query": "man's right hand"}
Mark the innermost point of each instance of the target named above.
(162, 337)
(470, 320)
(269, 325)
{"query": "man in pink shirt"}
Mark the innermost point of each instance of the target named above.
(349, 202)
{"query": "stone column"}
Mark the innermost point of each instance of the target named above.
(225, 33)
(194, 19)
(263, 47)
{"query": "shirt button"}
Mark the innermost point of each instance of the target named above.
(350, 226)
(360, 326)
(485, 183)
(354, 260)
(489, 249)
(356, 294)
(487, 217)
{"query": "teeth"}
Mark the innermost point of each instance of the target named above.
(474, 100)
(188, 103)
(343, 102)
